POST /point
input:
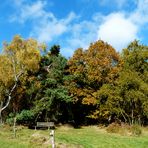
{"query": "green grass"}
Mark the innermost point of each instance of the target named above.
(92, 137)
(85, 137)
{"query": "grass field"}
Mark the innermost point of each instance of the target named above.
(67, 137)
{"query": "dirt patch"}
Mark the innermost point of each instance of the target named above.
(39, 140)
(63, 145)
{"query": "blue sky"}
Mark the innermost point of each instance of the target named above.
(75, 23)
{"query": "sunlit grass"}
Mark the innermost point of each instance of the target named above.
(86, 137)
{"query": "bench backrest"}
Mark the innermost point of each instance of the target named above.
(45, 124)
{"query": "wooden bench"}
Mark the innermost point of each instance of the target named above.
(49, 125)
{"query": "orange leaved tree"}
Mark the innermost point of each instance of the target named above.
(90, 69)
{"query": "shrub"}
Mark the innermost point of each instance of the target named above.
(10, 119)
(124, 129)
(113, 128)
(136, 130)
(26, 116)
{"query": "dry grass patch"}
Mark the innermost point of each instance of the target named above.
(125, 129)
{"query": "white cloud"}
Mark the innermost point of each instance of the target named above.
(120, 28)
(33, 11)
(82, 34)
(84, 31)
(140, 14)
(46, 32)
(48, 29)
(29, 11)
(117, 30)
(45, 25)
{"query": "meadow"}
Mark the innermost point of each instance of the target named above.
(68, 137)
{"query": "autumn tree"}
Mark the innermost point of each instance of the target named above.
(127, 99)
(18, 57)
(91, 69)
(132, 85)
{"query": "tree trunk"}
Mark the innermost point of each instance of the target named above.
(132, 112)
(1, 120)
(1, 105)
(125, 120)
(132, 116)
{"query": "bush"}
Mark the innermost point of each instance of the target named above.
(10, 119)
(136, 130)
(113, 128)
(26, 116)
(125, 129)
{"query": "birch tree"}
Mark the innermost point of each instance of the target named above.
(18, 57)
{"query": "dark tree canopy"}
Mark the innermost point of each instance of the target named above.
(55, 50)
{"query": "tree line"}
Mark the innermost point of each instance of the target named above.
(95, 85)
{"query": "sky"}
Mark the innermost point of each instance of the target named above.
(75, 23)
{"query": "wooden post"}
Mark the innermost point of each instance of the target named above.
(52, 135)
(14, 127)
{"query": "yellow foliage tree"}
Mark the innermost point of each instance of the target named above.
(18, 57)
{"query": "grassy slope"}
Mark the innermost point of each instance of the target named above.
(93, 137)
(87, 137)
